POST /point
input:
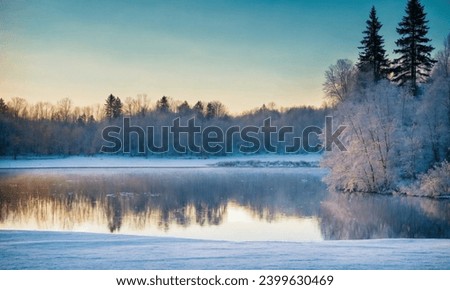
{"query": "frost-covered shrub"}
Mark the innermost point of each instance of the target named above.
(434, 183)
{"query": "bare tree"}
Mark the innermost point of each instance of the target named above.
(18, 107)
(41, 111)
(339, 79)
(64, 108)
(215, 109)
(137, 106)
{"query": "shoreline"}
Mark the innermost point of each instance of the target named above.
(100, 161)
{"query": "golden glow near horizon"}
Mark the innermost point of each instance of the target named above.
(84, 81)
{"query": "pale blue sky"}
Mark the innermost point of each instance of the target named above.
(243, 53)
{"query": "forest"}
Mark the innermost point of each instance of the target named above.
(62, 129)
(397, 113)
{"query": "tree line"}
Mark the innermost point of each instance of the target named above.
(64, 129)
(397, 112)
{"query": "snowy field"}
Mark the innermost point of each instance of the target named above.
(109, 161)
(68, 250)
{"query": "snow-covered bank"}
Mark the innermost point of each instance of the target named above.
(110, 161)
(266, 164)
(68, 250)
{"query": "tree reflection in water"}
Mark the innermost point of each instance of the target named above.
(115, 199)
(373, 216)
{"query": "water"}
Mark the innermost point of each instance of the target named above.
(238, 204)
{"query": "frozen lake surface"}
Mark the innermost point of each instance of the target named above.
(63, 250)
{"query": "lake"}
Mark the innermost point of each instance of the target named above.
(236, 204)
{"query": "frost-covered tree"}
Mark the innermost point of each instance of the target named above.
(372, 59)
(442, 67)
(370, 137)
(339, 80)
(435, 108)
(414, 63)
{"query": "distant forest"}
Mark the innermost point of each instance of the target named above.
(63, 129)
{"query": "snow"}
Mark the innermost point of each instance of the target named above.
(70, 250)
(264, 164)
(113, 161)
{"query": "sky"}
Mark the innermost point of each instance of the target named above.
(242, 53)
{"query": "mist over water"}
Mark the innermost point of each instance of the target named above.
(282, 204)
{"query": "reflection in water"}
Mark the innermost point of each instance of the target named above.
(235, 204)
(155, 201)
(365, 216)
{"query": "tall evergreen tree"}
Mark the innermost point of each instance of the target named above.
(113, 107)
(3, 107)
(210, 111)
(198, 109)
(163, 105)
(117, 108)
(415, 62)
(373, 56)
(184, 108)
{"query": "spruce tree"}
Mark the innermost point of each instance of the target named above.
(415, 62)
(110, 105)
(198, 109)
(163, 105)
(373, 56)
(117, 108)
(210, 111)
(3, 107)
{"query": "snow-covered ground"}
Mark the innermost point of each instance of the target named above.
(111, 161)
(69, 250)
